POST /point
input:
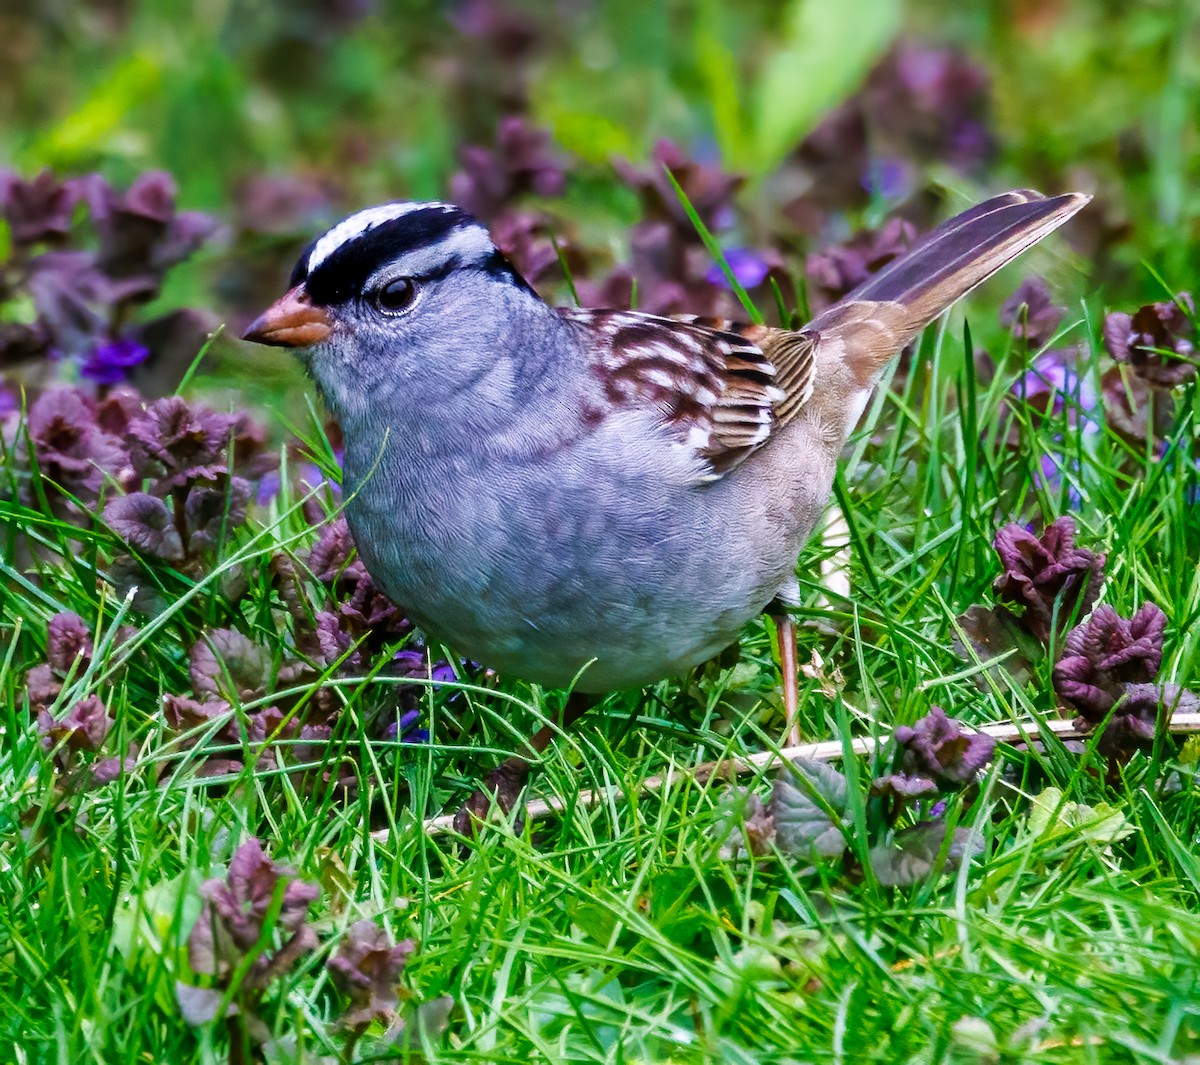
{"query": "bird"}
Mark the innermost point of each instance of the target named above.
(585, 498)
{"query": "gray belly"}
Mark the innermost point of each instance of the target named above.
(556, 575)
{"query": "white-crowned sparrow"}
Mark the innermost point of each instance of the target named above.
(590, 496)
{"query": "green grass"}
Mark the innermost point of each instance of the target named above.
(637, 929)
(631, 930)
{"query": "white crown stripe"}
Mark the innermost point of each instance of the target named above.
(357, 224)
(469, 244)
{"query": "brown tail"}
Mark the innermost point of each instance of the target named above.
(883, 314)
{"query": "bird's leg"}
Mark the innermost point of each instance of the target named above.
(504, 783)
(789, 668)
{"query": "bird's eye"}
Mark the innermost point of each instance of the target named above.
(396, 296)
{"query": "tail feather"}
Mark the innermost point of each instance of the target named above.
(883, 314)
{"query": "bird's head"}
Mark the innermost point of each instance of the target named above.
(404, 296)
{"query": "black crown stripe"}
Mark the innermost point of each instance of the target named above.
(342, 274)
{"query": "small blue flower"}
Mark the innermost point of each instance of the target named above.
(109, 364)
(748, 267)
(890, 179)
(405, 729)
(312, 476)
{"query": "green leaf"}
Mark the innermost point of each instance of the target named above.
(826, 51)
(1049, 817)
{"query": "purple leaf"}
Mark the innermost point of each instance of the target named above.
(1158, 341)
(1030, 314)
(1110, 666)
(233, 920)
(1042, 572)
(71, 450)
(523, 162)
(997, 634)
(837, 270)
(709, 190)
(911, 857)
(146, 523)
(932, 102)
(37, 210)
(1104, 654)
(41, 686)
(141, 236)
(83, 728)
(903, 786)
(213, 513)
(183, 714)
(109, 769)
(225, 657)
(201, 1005)
(330, 557)
(67, 640)
(366, 968)
(936, 747)
(178, 444)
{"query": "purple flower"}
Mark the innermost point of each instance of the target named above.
(406, 730)
(938, 749)
(890, 178)
(1042, 572)
(109, 364)
(749, 267)
(1054, 386)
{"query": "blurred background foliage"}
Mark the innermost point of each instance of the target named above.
(802, 122)
(357, 101)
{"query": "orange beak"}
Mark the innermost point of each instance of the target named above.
(290, 322)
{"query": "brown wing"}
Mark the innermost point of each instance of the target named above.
(722, 388)
(886, 311)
